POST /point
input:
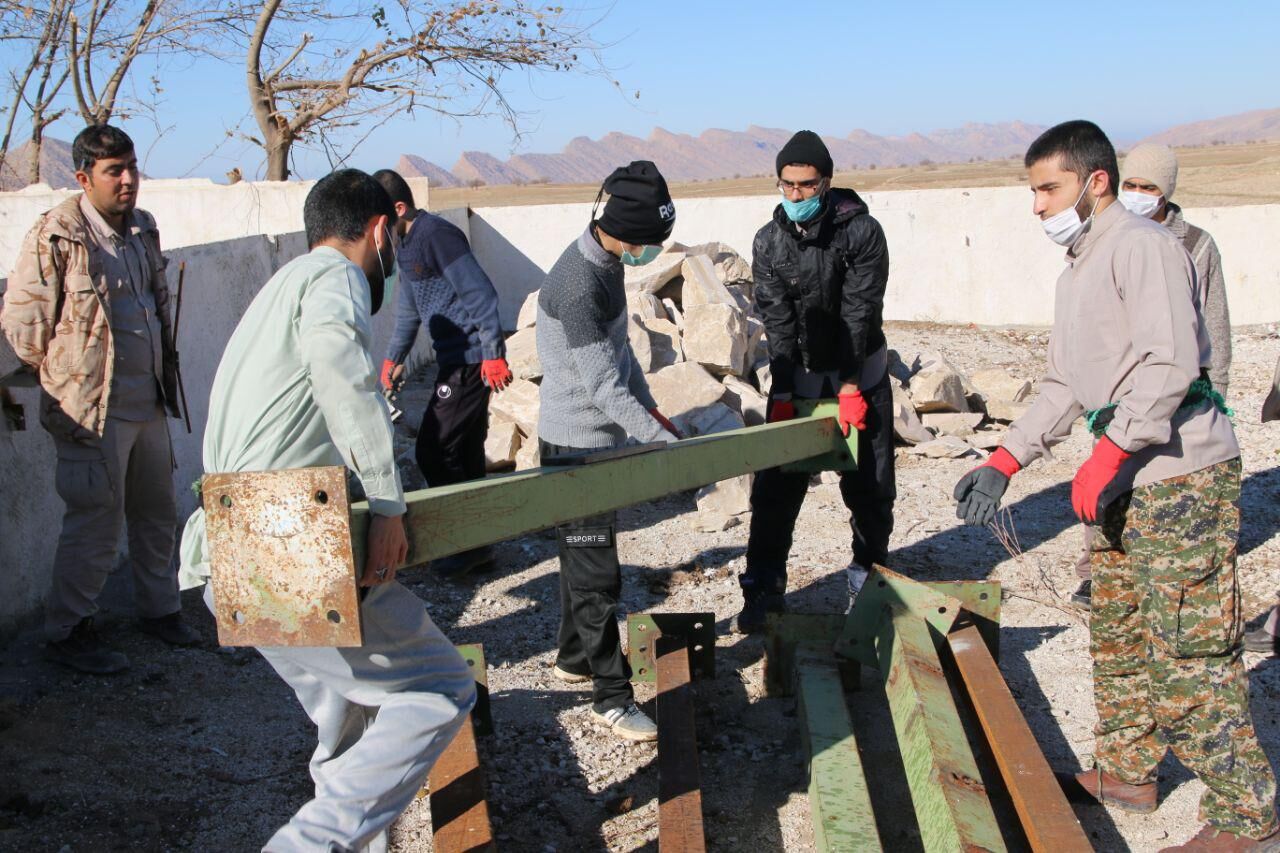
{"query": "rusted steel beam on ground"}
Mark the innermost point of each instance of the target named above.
(459, 812)
(1047, 819)
(679, 788)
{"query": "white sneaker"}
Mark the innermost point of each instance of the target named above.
(628, 722)
(568, 677)
(856, 576)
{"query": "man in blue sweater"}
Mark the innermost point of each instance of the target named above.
(593, 397)
(445, 288)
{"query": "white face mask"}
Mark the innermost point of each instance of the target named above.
(1066, 226)
(1143, 204)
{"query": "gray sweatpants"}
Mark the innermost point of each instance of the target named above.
(383, 712)
(125, 477)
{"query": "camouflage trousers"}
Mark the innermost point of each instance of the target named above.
(1165, 634)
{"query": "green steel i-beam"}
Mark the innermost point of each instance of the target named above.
(270, 531)
(947, 791)
(456, 518)
(839, 804)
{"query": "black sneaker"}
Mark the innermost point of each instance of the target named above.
(458, 565)
(172, 629)
(1082, 598)
(1259, 640)
(756, 610)
(83, 650)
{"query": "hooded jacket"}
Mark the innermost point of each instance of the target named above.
(820, 289)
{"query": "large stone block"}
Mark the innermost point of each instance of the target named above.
(952, 423)
(701, 284)
(946, 447)
(729, 265)
(757, 344)
(674, 314)
(996, 383)
(938, 388)
(717, 417)
(1006, 412)
(528, 317)
(654, 276)
(683, 387)
(746, 400)
(518, 403)
(528, 457)
(906, 424)
(501, 446)
(715, 336)
(522, 354)
(648, 306)
(722, 505)
(665, 343)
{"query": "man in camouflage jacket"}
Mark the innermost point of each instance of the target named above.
(87, 310)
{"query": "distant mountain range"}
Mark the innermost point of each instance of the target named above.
(717, 154)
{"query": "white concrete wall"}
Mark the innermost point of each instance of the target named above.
(956, 255)
(190, 212)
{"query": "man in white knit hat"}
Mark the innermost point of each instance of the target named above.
(1148, 178)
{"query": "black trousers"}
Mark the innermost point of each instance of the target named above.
(590, 583)
(450, 446)
(868, 492)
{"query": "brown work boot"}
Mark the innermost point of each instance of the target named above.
(1095, 786)
(1211, 840)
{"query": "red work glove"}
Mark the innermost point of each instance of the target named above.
(1089, 490)
(853, 411)
(666, 423)
(781, 410)
(495, 373)
(385, 376)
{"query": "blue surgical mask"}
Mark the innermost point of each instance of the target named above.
(647, 255)
(802, 211)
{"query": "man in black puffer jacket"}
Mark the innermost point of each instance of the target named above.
(820, 271)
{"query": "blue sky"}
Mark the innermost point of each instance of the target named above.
(887, 67)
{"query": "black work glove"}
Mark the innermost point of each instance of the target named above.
(979, 492)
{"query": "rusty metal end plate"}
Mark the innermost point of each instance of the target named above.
(644, 629)
(280, 553)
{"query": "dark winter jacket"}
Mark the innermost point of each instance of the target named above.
(442, 285)
(821, 292)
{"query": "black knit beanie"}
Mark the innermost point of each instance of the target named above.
(806, 148)
(639, 210)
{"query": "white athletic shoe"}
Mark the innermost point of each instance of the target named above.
(628, 722)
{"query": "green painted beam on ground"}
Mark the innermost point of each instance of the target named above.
(455, 518)
(787, 633)
(947, 791)
(839, 804)
(937, 603)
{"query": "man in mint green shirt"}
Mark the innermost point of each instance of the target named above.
(297, 388)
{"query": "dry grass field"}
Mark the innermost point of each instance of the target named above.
(1209, 176)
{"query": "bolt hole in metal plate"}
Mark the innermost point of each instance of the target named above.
(698, 629)
(280, 553)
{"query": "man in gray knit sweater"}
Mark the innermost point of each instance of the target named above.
(594, 396)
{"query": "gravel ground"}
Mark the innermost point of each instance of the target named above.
(207, 749)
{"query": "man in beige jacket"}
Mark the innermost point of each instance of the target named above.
(87, 309)
(1130, 353)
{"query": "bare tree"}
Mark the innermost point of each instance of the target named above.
(115, 34)
(43, 31)
(447, 57)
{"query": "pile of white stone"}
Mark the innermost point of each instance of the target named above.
(702, 352)
(943, 413)
(706, 361)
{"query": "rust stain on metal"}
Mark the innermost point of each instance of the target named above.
(280, 553)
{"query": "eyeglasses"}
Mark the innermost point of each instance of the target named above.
(802, 186)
